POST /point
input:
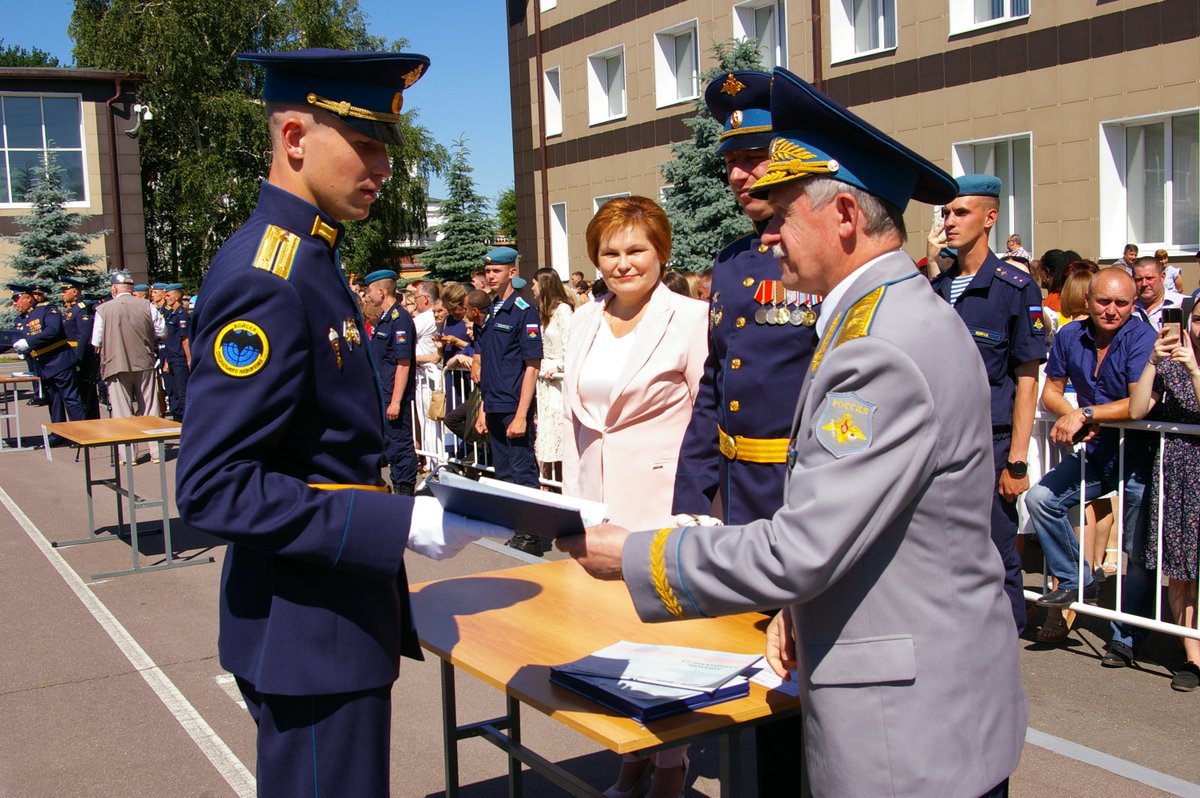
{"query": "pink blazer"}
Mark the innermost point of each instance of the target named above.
(628, 459)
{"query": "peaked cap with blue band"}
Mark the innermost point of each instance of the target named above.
(741, 102)
(363, 89)
(817, 136)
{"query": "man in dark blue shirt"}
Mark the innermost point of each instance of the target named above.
(1102, 357)
(177, 353)
(1002, 308)
(77, 326)
(46, 344)
(393, 345)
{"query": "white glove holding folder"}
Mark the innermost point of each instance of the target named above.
(440, 535)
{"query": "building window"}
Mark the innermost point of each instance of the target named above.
(676, 65)
(559, 256)
(599, 202)
(553, 98)
(606, 85)
(32, 126)
(861, 27)
(764, 21)
(1150, 183)
(968, 14)
(1009, 159)
(546, 5)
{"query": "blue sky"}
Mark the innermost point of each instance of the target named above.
(465, 92)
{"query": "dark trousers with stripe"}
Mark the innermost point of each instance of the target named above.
(323, 745)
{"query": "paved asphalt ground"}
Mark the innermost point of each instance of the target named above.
(112, 688)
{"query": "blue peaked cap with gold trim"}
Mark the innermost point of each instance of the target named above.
(817, 136)
(741, 102)
(363, 89)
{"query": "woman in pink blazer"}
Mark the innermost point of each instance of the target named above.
(632, 365)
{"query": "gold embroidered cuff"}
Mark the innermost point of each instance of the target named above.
(658, 573)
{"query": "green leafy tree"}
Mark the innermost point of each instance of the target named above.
(506, 213)
(704, 215)
(13, 55)
(468, 228)
(207, 148)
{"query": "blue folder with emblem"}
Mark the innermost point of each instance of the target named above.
(534, 512)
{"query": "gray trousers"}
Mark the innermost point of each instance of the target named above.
(133, 393)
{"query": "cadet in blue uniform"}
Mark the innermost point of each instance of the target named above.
(509, 348)
(281, 451)
(761, 341)
(1002, 308)
(177, 353)
(43, 339)
(394, 346)
(77, 326)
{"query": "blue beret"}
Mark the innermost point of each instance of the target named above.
(741, 102)
(379, 274)
(519, 282)
(159, 286)
(978, 186)
(817, 136)
(70, 282)
(364, 89)
(501, 255)
(171, 286)
(141, 287)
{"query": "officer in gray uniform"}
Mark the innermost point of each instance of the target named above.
(897, 621)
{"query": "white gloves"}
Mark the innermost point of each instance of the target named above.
(690, 519)
(21, 346)
(439, 535)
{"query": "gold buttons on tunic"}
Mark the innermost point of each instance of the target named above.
(736, 363)
(734, 406)
(741, 322)
(749, 281)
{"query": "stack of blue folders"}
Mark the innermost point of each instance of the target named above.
(649, 682)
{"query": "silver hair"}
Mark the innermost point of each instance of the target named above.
(881, 216)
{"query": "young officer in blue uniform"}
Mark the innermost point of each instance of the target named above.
(1002, 308)
(761, 341)
(46, 343)
(177, 353)
(509, 348)
(394, 346)
(77, 326)
(281, 451)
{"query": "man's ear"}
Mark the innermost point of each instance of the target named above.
(292, 135)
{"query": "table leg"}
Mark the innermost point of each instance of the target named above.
(515, 789)
(449, 730)
(90, 536)
(729, 749)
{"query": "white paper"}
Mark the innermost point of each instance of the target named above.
(670, 666)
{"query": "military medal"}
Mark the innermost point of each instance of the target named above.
(350, 333)
(336, 345)
(778, 301)
(764, 295)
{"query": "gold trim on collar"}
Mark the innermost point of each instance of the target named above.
(859, 317)
(830, 332)
(344, 108)
(326, 232)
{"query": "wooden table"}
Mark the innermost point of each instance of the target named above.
(12, 382)
(123, 432)
(508, 627)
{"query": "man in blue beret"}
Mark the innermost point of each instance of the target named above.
(394, 345)
(896, 620)
(282, 446)
(1002, 308)
(77, 326)
(508, 347)
(177, 350)
(760, 333)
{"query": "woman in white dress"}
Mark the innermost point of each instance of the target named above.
(555, 307)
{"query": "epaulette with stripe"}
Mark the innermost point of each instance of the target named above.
(277, 251)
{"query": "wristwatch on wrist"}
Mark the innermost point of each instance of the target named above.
(1088, 414)
(1018, 469)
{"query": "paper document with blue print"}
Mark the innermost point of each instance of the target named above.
(668, 666)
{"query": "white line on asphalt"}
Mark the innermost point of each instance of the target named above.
(1121, 767)
(213, 747)
(228, 683)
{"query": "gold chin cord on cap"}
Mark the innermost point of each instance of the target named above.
(344, 108)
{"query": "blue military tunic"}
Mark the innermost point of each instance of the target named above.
(394, 340)
(77, 326)
(54, 361)
(751, 381)
(510, 335)
(285, 409)
(177, 321)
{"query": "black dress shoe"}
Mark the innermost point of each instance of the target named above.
(1187, 678)
(1064, 597)
(1117, 656)
(530, 544)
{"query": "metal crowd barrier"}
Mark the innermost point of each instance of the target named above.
(1043, 423)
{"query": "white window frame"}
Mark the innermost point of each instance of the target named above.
(598, 202)
(745, 26)
(547, 5)
(1114, 188)
(663, 191)
(81, 149)
(599, 101)
(560, 257)
(843, 39)
(552, 116)
(1011, 219)
(962, 14)
(666, 66)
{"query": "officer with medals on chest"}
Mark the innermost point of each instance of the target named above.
(1002, 308)
(44, 341)
(761, 340)
(281, 454)
(77, 326)
(177, 352)
(393, 343)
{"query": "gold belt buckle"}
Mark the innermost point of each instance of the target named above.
(728, 444)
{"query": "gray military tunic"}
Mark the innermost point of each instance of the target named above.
(908, 666)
